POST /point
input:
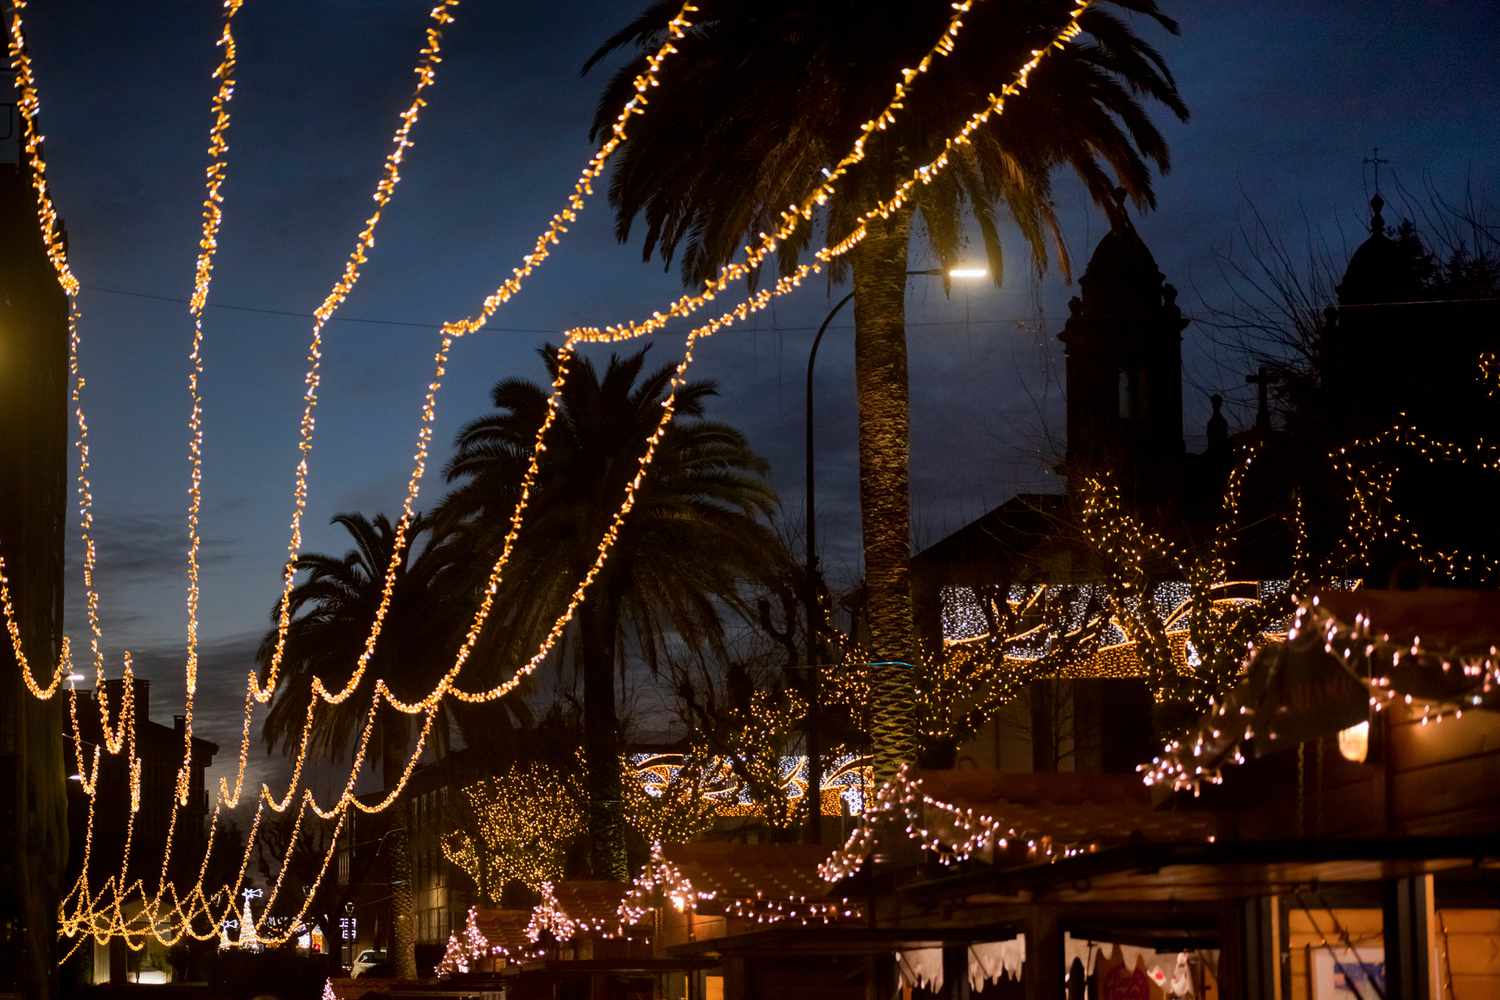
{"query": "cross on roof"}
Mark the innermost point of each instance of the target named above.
(1375, 160)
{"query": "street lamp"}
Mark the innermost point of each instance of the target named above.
(814, 576)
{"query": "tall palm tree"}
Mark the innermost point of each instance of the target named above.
(696, 535)
(332, 608)
(775, 89)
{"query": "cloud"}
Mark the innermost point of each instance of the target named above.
(131, 547)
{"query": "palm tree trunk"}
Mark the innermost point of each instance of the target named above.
(393, 756)
(879, 265)
(601, 737)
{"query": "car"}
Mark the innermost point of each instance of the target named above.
(365, 964)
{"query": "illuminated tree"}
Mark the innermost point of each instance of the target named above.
(725, 150)
(1021, 634)
(672, 804)
(696, 535)
(517, 827)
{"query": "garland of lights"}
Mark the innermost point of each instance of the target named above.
(1386, 669)
(263, 693)
(1373, 513)
(902, 800)
(660, 882)
(212, 217)
(57, 253)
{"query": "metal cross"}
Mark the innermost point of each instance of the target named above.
(1375, 161)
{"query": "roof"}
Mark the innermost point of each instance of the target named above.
(504, 928)
(355, 989)
(1094, 809)
(1226, 869)
(1012, 535)
(593, 902)
(1379, 270)
(748, 871)
(1444, 618)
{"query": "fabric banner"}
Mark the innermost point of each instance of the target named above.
(989, 960)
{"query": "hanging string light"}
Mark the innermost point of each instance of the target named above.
(1371, 659)
(262, 691)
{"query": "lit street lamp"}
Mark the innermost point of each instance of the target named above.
(813, 582)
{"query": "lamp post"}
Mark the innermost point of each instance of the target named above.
(813, 582)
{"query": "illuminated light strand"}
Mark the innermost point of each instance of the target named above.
(451, 331)
(584, 188)
(212, 218)
(215, 175)
(426, 73)
(55, 245)
(754, 303)
(996, 105)
(1373, 514)
(902, 800)
(64, 668)
(794, 216)
(848, 244)
(1219, 740)
(29, 104)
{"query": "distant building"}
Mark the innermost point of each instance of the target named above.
(1123, 344)
(160, 750)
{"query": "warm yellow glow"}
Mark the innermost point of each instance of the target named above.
(101, 914)
(1354, 742)
(968, 272)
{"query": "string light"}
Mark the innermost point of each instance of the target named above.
(1374, 515)
(263, 691)
(950, 833)
(1220, 739)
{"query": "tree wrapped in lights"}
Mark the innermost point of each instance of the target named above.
(754, 748)
(745, 749)
(517, 827)
(1141, 569)
(1025, 633)
(673, 804)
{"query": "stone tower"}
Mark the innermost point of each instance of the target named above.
(1123, 341)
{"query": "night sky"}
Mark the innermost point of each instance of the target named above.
(1287, 99)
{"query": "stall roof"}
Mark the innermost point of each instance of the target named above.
(1146, 872)
(837, 939)
(505, 929)
(592, 902)
(1070, 808)
(749, 871)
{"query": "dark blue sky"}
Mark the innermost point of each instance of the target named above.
(1287, 98)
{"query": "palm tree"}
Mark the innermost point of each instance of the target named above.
(332, 608)
(775, 89)
(696, 535)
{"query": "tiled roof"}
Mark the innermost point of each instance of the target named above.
(355, 989)
(745, 871)
(1069, 808)
(504, 928)
(593, 902)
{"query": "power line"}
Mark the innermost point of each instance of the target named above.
(296, 315)
(291, 314)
